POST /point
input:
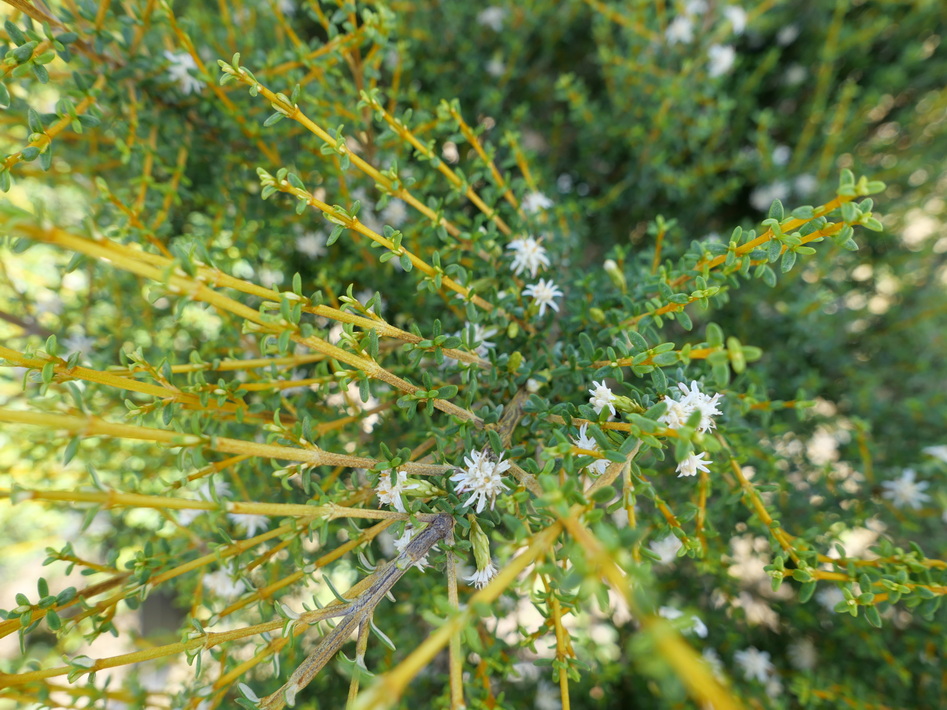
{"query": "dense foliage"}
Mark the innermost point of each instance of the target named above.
(581, 307)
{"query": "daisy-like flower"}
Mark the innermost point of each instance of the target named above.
(681, 30)
(905, 491)
(544, 294)
(680, 410)
(390, 494)
(402, 542)
(528, 255)
(482, 577)
(312, 244)
(179, 68)
(482, 479)
(601, 397)
(250, 523)
(755, 664)
(584, 441)
(720, 59)
(224, 584)
(534, 201)
(692, 464)
(666, 548)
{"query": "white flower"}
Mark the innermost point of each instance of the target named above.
(666, 548)
(535, 201)
(905, 491)
(479, 338)
(482, 479)
(180, 64)
(224, 584)
(679, 411)
(938, 452)
(495, 67)
(390, 494)
(696, 7)
(720, 59)
(270, 277)
(481, 577)
(287, 7)
(584, 441)
(601, 397)
(548, 697)
(78, 343)
(692, 464)
(680, 30)
(787, 35)
(221, 490)
(543, 294)
(312, 244)
(402, 542)
(805, 184)
(782, 154)
(528, 255)
(737, 17)
(762, 197)
(533, 385)
(802, 654)
(251, 523)
(829, 597)
(695, 626)
(755, 664)
(395, 213)
(492, 17)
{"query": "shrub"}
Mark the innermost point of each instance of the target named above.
(562, 304)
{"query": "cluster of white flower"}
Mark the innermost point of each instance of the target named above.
(666, 548)
(224, 583)
(390, 493)
(528, 255)
(756, 665)
(720, 57)
(482, 577)
(249, 522)
(482, 479)
(180, 64)
(402, 542)
(534, 202)
(680, 410)
(693, 464)
(602, 397)
(584, 441)
(312, 244)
